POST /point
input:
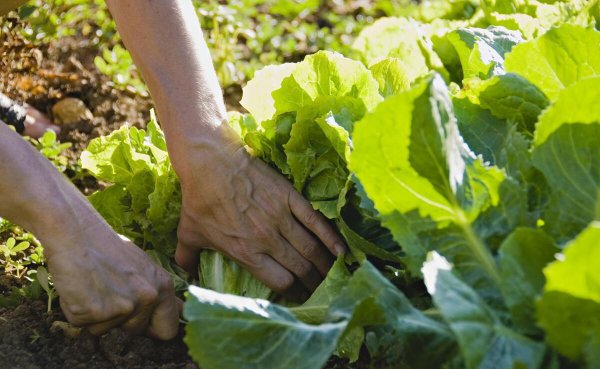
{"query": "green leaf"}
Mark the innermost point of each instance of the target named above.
(559, 58)
(258, 333)
(140, 187)
(400, 332)
(241, 123)
(575, 104)
(566, 150)
(356, 241)
(392, 76)
(533, 18)
(481, 51)
(111, 203)
(485, 342)
(523, 256)
(511, 97)
(317, 153)
(496, 140)
(257, 94)
(21, 246)
(569, 310)
(223, 275)
(314, 310)
(326, 74)
(399, 38)
(117, 157)
(427, 188)
(231, 332)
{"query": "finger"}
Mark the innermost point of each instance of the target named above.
(307, 246)
(99, 329)
(187, 257)
(264, 268)
(297, 293)
(164, 321)
(179, 305)
(316, 223)
(289, 258)
(79, 316)
(139, 322)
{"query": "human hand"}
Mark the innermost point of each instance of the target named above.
(241, 207)
(104, 282)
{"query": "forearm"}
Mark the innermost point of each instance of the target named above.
(34, 195)
(166, 43)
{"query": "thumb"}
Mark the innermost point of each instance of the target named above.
(164, 324)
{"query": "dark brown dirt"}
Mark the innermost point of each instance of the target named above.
(28, 340)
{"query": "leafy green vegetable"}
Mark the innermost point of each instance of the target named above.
(223, 275)
(257, 97)
(484, 341)
(222, 333)
(511, 97)
(570, 306)
(481, 51)
(532, 18)
(367, 299)
(556, 60)
(398, 38)
(523, 255)
(144, 201)
(425, 184)
(566, 150)
(392, 76)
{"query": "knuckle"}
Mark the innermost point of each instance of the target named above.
(311, 218)
(94, 312)
(186, 237)
(124, 307)
(310, 250)
(247, 254)
(283, 283)
(261, 234)
(148, 296)
(164, 284)
(302, 269)
(287, 225)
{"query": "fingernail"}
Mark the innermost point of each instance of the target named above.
(339, 249)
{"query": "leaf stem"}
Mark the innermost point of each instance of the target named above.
(478, 248)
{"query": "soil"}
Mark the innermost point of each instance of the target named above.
(31, 338)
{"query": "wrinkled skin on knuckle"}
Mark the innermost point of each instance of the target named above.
(310, 250)
(311, 219)
(263, 233)
(286, 224)
(282, 284)
(246, 254)
(185, 235)
(123, 308)
(147, 296)
(302, 269)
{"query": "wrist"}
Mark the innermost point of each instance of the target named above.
(203, 150)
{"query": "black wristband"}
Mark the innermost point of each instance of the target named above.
(12, 113)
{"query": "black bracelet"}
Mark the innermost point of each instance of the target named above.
(12, 113)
